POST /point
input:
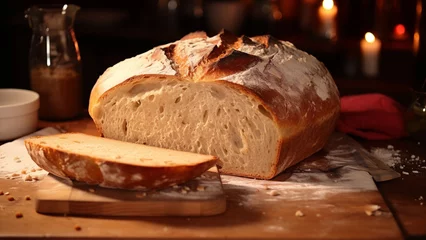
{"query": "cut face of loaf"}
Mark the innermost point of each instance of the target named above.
(115, 164)
(260, 104)
(205, 117)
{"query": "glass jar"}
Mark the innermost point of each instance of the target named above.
(54, 61)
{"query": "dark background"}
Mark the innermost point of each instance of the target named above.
(110, 32)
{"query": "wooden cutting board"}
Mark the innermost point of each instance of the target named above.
(203, 196)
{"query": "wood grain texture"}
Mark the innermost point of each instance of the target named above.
(335, 216)
(61, 196)
(406, 196)
(338, 216)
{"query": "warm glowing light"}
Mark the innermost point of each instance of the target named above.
(328, 4)
(64, 9)
(172, 5)
(416, 42)
(419, 8)
(369, 37)
(399, 29)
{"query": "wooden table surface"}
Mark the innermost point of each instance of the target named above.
(338, 216)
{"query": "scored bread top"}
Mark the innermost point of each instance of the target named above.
(293, 86)
(104, 149)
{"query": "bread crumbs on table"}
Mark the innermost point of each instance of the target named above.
(299, 213)
(28, 178)
(274, 193)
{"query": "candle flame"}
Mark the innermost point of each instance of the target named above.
(328, 4)
(369, 37)
(419, 8)
(399, 29)
(416, 41)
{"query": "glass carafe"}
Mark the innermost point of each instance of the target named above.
(54, 61)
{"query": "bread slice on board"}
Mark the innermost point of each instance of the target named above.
(258, 103)
(115, 164)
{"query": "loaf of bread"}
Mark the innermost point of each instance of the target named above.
(260, 104)
(115, 164)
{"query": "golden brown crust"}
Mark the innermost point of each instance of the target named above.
(99, 171)
(304, 111)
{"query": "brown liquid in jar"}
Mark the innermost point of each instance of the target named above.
(60, 91)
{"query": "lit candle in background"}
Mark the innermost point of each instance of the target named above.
(327, 17)
(416, 42)
(370, 48)
(399, 32)
(416, 36)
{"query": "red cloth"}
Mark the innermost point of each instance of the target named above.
(371, 116)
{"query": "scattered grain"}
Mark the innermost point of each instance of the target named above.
(299, 213)
(11, 198)
(368, 212)
(27, 197)
(77, 227)
(28, 178)
(19, 215)
(274, 193)
(141, 195)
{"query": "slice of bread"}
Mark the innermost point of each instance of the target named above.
(115, 164)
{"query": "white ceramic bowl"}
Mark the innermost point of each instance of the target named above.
(18, 113)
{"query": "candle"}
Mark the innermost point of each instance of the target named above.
(416, 42)
(370, 48)
(327, 15)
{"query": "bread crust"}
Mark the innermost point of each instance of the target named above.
(96, 171)
(304, 104)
